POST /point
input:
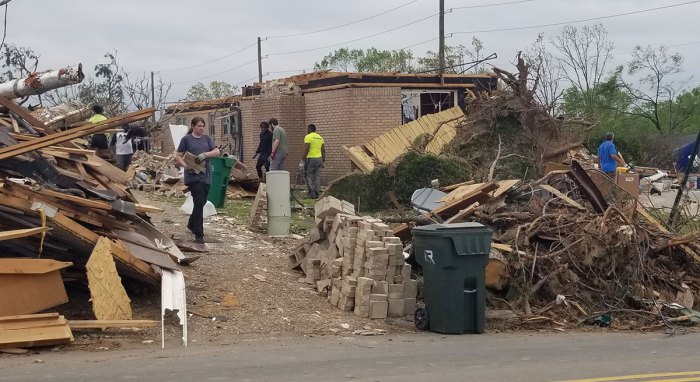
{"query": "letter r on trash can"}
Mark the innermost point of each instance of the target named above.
(428, 256)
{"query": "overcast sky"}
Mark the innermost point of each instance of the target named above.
(167, 35)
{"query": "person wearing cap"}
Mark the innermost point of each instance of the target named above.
(608, 157)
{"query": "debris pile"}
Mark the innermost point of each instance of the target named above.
(571, 247)
(158, 174)
(357, 262)
(63, 206)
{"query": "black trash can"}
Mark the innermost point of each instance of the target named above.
(454, 259)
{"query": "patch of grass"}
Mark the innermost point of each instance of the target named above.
(239, 210)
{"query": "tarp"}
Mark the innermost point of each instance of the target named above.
(684, 156)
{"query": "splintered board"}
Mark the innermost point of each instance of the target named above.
(440, 128)
(109, 299)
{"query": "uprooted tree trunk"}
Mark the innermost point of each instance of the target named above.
(529, 136)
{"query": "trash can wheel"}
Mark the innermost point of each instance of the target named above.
(420, 318)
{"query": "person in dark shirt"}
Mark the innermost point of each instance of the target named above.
(202, 146)
(264, 149)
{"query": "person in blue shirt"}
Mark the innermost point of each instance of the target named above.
(608, 157)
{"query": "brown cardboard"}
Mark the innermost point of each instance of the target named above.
(30, 285)
(629, 183)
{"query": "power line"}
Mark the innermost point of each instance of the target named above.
(211, 61)
(346, 24)
(448, 35)
(492, 5)
(220, 73)
(579, 21)
(357, 39)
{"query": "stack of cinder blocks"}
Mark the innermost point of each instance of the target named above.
(364, 261)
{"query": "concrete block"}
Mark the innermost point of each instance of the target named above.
(374, 244)
(378, 297)
(396, 307)
(335, 295)
(409, 306)
(380, 287)
(406, 271)
(410, 288)
(391, 240)
(378, 309)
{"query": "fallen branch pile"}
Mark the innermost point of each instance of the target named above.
(559, 258)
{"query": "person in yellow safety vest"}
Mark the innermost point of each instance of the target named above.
(315, 159)
(99, 141)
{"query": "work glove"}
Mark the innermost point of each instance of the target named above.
(201, 157)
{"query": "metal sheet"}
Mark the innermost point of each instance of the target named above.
(588, 187)
(173, 298)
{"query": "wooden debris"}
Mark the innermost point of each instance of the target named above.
(109, 299)
(34, 330)
(561, 196)
(111, 324)
(30, 285)
(193, 164)
(259, 208)
(440, 128)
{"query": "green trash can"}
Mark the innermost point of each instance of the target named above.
(454, 259)
(220, 172)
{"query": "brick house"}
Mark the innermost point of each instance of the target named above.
(222, 117)
(347, 109)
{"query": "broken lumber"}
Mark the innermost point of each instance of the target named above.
(30, 285)
(111, 324)
(34, 330)
(65, 136)
(17, 233)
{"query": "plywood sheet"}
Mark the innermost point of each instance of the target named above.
(109, 299)
(387, 147)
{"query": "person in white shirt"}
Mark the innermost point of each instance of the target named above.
(124, 147)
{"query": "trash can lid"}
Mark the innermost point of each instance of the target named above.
(449, 227)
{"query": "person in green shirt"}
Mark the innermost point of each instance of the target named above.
(315, 159)
(279, 146)
(99, 141)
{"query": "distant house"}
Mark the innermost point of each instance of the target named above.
(349, 108)
(222, 118)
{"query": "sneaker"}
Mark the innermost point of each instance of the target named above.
(200, 247)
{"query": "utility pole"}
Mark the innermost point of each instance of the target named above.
(153, 95)
(441, 49)
(259, 61)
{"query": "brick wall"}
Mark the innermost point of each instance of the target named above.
(343, 117)
(348, 117)
(289, 111)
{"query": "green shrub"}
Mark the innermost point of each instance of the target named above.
(369, 192)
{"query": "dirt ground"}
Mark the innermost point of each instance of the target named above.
(241, 288)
